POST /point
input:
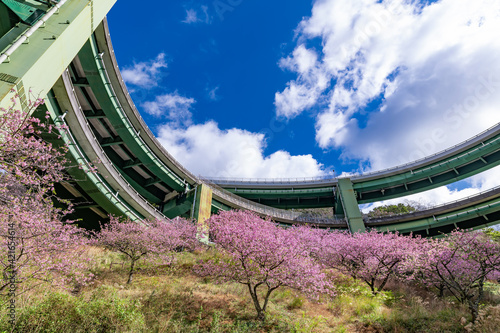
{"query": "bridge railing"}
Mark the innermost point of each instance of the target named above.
(228, 180)
(463, 201)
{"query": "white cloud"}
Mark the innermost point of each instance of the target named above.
(212, 94)
(193, 16)
(173, 107)
(145, 74)
(432, 69)
(209, 151)
(304, 92)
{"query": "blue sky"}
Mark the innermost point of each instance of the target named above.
(240, 88)
(229, 65)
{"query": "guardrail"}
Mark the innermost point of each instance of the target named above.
(468, 212)
(221, 180)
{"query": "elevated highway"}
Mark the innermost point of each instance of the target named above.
(70, 60)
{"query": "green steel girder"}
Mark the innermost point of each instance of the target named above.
(37, 64)
(289, 198)
(219, 206)
(476, 216)
(97, 78)
(106, 142)
(285, 193)
(81, 82)
(131, 163)
(136, 180)
(350, 206)
(294, 203)
(8, 20)
(92, 183)
(28, 12)
(179, 206)
(98, 114)
(152, 181)
(475, 160)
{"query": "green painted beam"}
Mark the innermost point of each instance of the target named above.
(152, 181)
(452, 219)
(179, 205)
(8, 20)
(26, 11)
(98, 114)
(218, 206)
(97, 77)
(89, 181)
(106, 142)
(81, 82)
(131, 163)
(36, 65)
(282, 193)
(350, 206)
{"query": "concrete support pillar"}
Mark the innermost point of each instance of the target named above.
(202, 208)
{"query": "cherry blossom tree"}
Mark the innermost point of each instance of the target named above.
(372, 256)
(27, 161)
(38, 246)
(263, 256)
(154, 240)
(461, 262)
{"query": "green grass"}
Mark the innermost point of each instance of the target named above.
(173, 299)
(103, 311)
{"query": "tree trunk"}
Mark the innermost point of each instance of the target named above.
(260, 313)
(384, 282)
(372, 286)
(441, 290)
(474, 303)
(131, 272)
(474, 310)
(269, 291)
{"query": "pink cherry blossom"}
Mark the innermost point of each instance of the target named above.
(460, 263)
(261, 255)
(154, 240)
(37, 247)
